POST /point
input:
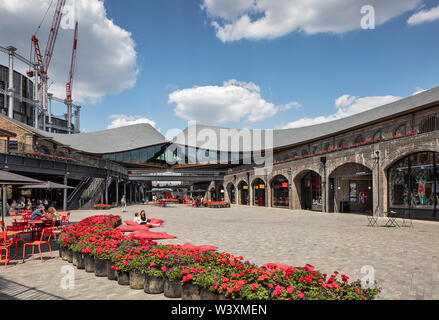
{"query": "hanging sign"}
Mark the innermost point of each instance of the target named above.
(284, 184)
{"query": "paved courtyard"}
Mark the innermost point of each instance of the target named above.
(404, 260)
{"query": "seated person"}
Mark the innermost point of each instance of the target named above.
(52, 214)
(137, 218)
(143, 217)
(145, 220)
(39, 212)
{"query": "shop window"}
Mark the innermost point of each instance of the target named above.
(429, 124)
(401, 130)
(359, 139)
(341, 143)
(413, 182)
(378, 135)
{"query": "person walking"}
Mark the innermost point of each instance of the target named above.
(123, 202)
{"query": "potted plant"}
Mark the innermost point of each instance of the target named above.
(154, 280)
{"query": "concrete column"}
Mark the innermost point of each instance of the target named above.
(125, 190)
(226, 195)
(11, 89)
(64, 203)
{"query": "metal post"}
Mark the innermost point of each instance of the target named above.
(11, 89)
(50, 95)
(64, 203)
(106, 192)
(5, 202)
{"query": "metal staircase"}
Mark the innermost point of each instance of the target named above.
(88, 193)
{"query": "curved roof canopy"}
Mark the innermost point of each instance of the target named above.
(112, 140)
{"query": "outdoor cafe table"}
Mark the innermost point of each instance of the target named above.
(38, 225)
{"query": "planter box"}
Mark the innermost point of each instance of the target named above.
(89, 263)
(190, 292)
(154, 285)
(172, 289)
(78, 260)
(111, 274)
(123, 278)
(69, 256)
(208, 295)
(137, 281)
(100, 267)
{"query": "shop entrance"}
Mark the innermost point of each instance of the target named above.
(351, 189)
(259, 192)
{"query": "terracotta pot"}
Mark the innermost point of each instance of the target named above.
(123, 278)
(100, 267)
(190, 292)
(89, 263)
(137, 281)
(172, 289)
(154, 285)
(111, 274)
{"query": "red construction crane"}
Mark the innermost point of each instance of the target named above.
(44, 61)
(36, 56)
(69, 85)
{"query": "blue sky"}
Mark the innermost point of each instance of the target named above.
(178, 48)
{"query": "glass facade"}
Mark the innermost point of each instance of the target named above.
(280, 191)
(150, 154)
(413, 184)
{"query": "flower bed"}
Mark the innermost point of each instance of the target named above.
(101, 206)
(216, 204)
(217, 272)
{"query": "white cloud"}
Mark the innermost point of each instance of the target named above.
(121, 120)
(346, 105)
(267, 19)
(106, 61)
(418, 90)
(424, 16)
(234, 101)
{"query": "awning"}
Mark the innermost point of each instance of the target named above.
(46, 185)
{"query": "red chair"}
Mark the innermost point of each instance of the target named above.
(5, 245)
(16, 238)
(45, 232)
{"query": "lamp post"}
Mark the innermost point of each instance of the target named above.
(376, 159)
(324, 193)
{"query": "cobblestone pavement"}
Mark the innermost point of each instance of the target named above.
(404, 260)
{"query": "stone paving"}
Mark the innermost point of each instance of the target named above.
(403, 260)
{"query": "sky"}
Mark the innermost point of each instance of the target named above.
(234, 63)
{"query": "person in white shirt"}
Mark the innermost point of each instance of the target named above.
(137, 218)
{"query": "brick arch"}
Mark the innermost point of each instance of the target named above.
(333, 169)
(387, 163)
(258, 178)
